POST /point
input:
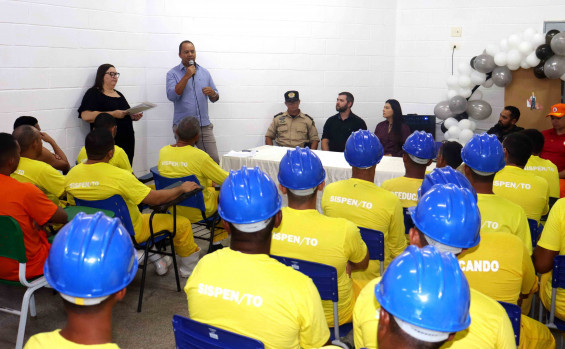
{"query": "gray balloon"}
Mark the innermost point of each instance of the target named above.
(554, 67)
(484, 63)
(501, 76)
(558, 44)
(457, 104)
(442, 111)
(479, 110)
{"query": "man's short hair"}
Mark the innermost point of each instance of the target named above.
(536, 138)
(348, 96)
(451, 153)
(8, 147)
(26, 135)
(104, 120)
(188, 128)
(514, 112)
(518, 147)
(98, 143)
(185, 42)
(25, 120)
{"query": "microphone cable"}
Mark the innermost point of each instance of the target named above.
(198, 110)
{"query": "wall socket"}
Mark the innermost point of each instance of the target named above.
(456, 32)
(454, 45)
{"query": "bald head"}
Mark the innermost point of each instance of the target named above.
(187, 129)
(28, 138)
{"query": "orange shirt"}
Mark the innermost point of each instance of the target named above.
(26, 204)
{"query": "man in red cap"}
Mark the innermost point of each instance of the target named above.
(554, 146)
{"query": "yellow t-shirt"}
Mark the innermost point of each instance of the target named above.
(120, 158)
(546, 169)
(368, 206)
(101, 180)
(258, 297)
(54, 340)
(177, 162)
(43, 175)
(405, 188)
(499, 267)
(499, 214)
(524, 188)
(553, 239)
(490, 326)
(311, 236)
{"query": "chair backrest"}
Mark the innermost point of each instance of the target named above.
(12, 240)
(195, 201)
(115, 204)
(190, 334)
(515, 314)
(324, 276)
(534, 231)
(558, 275)
(375, 241)
(408, 223)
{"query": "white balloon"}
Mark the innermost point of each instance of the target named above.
(464, 124)
(524, 65)
(446, 135)
(464, 92)
(525, 47)
(473, 125)
(529, 34)
(465, 135)
(452, 81)
(514, 40)
(478, 78)
(451, 139)
(450, 122)
(513, 57)
(451, 93)
(492, 49)
(532, 59)
(513, 66)
(476, 96)
(563, 77)
(500, 59)
(538, 39)
(464, 68)
(503, 45)
(465, 81)
(488, 83)
(454, 131)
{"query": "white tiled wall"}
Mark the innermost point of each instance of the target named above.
(255, 50)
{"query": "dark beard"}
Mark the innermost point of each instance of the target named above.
(341, 110)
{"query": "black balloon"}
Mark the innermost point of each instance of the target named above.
(539, 70)
(544, 51)
(473, 62)
(549, 35)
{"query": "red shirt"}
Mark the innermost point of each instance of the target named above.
(26, 203)
(392, 144)
(554, 148)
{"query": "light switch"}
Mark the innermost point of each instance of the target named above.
(456, 31)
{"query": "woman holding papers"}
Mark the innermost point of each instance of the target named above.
(103, 98)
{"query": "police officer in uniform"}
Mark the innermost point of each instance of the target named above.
(292, 128)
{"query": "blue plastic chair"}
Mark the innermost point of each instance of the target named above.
(515, 314)
(375, 241)
(195, 201)
(117, 205)
(190, 334)
(408, 223)
(325, 278)
(557, 281)
(535, 231)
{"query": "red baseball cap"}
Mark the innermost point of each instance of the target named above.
(557, 110)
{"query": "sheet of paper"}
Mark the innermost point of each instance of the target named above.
(241, 154)
(141, 108)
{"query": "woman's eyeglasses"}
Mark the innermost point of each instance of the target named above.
(114, 75)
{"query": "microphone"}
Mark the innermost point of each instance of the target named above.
(191, 62)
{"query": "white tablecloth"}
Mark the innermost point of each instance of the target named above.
(268, 157)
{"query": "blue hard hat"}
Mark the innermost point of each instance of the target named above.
(91, 257)
(448, 214)
(248, 196)
(426, 288)
(301, 169)
(484, 153)
(420, 144)
(363, 149)
(445, 175)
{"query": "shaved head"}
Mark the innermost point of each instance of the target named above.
(26, 136)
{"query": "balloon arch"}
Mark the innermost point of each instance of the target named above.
(465, 104)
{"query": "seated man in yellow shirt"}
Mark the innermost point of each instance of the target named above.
(91, 262)
(31, 170)
(418, 153)
(96, 179)
(184, 159)
(306, 234)
(58, 159)
(521, 187)
(424, 300)
(542, 167)
(361, 201)
(483, 157)
(120, 158)
(240, 288)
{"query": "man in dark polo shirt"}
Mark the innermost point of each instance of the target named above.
(339, 127)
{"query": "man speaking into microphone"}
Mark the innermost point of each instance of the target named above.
(189, 86)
